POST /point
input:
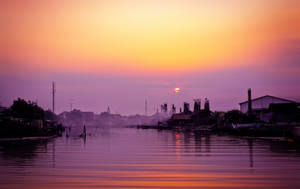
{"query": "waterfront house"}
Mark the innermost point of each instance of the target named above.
(263, 103)
(272, 109)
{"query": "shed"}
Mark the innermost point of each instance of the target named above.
(263, 102)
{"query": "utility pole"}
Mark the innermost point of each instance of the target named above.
(71, 104)
(53, 96)
(146, 108)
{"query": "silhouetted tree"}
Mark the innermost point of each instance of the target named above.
(235, 116)
(49, 115)
(26, 110)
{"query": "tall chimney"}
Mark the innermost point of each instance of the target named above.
(197, 105)
(186, 107)
(206, 105)
(173, 109)
(249, 102)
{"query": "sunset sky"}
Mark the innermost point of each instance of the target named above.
(121, 52)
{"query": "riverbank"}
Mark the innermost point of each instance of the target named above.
(28, 138)
(13, 129)
(282, 132)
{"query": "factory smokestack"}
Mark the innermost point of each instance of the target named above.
(173, 109)
(186, 107)
(197, 105)
(206, 105)
(249, 102)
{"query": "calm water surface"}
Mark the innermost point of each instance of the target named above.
(132, 158)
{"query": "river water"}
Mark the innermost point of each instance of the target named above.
(133, 158)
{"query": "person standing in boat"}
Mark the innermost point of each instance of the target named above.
(83, 134)
(84, 130)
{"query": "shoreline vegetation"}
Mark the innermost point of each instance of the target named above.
(28, 138)
(25, 120)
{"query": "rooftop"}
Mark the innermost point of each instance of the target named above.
(291, 101)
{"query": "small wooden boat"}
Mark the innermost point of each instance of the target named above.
(83, 134)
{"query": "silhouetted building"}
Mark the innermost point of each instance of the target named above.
(263, 103)
(180, 119)
(173, 109)
(196, 118)
(280, 113)
(271, 109)
(206, 105)
(164, 108)
(186, 108)
(197, 105)
(87, 116)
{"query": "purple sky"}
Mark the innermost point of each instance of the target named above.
(224, 88)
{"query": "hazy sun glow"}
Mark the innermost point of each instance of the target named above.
(177, 89)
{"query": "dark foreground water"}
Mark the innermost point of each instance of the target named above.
(132, 158)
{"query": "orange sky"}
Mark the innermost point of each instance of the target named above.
(141, 36)
(97, 50)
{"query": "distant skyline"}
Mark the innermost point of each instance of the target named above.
(118, 53)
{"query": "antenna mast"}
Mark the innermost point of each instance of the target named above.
(146, 108)
(53, 96)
